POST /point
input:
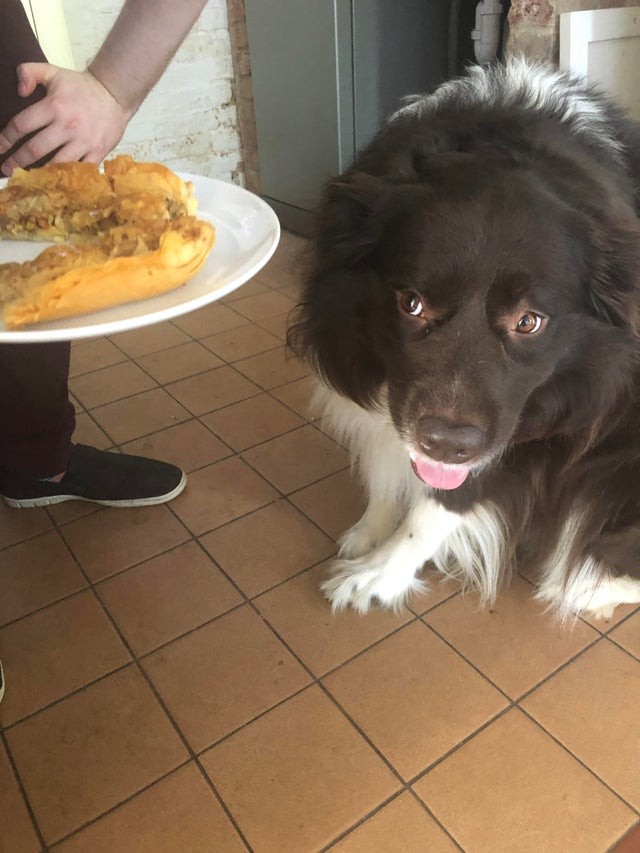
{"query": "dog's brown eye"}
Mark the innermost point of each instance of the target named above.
(410, 302)
(530, 323)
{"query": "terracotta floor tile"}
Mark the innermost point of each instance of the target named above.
(297, 459)
(241, 342)
(511, 787)
(149, 339)
(212, 390)
(36, 573)
(277, 325)
(70, 510)
(281, 276)
(606, 625)
(16, 525)
(266, 305)
(223, 675)
(286, 281)
(335, 503)
(288, 256)
(17, 834)
(292, 767)
(591, 706)
(91, 751)
(252, 421)
(219, 493)
(44, 661)
(267, 546)
(439, 588)
(140, 415)
(110, 384)
(249, 288)
(210, 320)
(403, 825)
(87, 356)
(88, 432)
(538, 644)
(414, 697)
(302, 616)
(627, 635)
(630, 843)
(297, 395)
(114, 539)
(158, 600)
(299, 776)
(273, 368)
(189, 445)
(180, 814)
(179, 362)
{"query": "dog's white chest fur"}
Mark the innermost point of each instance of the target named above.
(404, 527)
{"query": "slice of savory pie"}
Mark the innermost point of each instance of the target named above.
(126, 234)
(56, 201)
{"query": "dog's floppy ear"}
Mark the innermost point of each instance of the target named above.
(336, 326)
(352, 216)
(613, 286)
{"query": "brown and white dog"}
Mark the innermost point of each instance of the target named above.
(473, 316)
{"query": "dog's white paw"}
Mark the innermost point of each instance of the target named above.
(610, 593)
(359, 585)
(602, 614)
(374, 528)
(356, 542)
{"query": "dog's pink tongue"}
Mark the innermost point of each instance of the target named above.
(438, 475)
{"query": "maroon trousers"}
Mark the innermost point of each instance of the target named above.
(37, 418)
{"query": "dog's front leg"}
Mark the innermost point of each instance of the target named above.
(387, 574)
(378, 522)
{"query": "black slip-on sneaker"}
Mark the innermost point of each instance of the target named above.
(110, 479)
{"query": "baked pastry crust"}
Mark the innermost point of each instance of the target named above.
(127, 234)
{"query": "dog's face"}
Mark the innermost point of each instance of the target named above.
(486, 309)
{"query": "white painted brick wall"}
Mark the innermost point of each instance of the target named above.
(189, 120)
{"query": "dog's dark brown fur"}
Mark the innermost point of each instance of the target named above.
(488, 207)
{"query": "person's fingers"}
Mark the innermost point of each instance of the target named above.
(69, 153)
(33, 118)
(49, 139)
(30, 74)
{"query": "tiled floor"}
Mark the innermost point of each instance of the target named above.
(177, 683)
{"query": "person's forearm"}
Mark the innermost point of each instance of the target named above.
(141, 44)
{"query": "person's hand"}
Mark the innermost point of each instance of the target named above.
(78, 118)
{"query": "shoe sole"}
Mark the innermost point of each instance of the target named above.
(2, 682)
(50, 500)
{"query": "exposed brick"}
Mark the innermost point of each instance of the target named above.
(533, 42)
(532, 12)
(235, 11)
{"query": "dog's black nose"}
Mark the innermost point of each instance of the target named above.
(448, 442)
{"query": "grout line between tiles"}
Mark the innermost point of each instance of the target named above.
(614, 642)
(23, 793)
(473, 666)
(425, 772)
(580, 761)
(118, 805)
(69, 695)
(135, 662)
(43, 607)
(406, 785)
(559, 669)
(436, 819)
(628, 832)
(251, 601)
(379, 808)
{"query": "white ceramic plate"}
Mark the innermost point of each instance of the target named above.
(247, 234)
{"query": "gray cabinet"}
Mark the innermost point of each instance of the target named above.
(324, 74)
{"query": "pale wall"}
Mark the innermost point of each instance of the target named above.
(189, 121)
